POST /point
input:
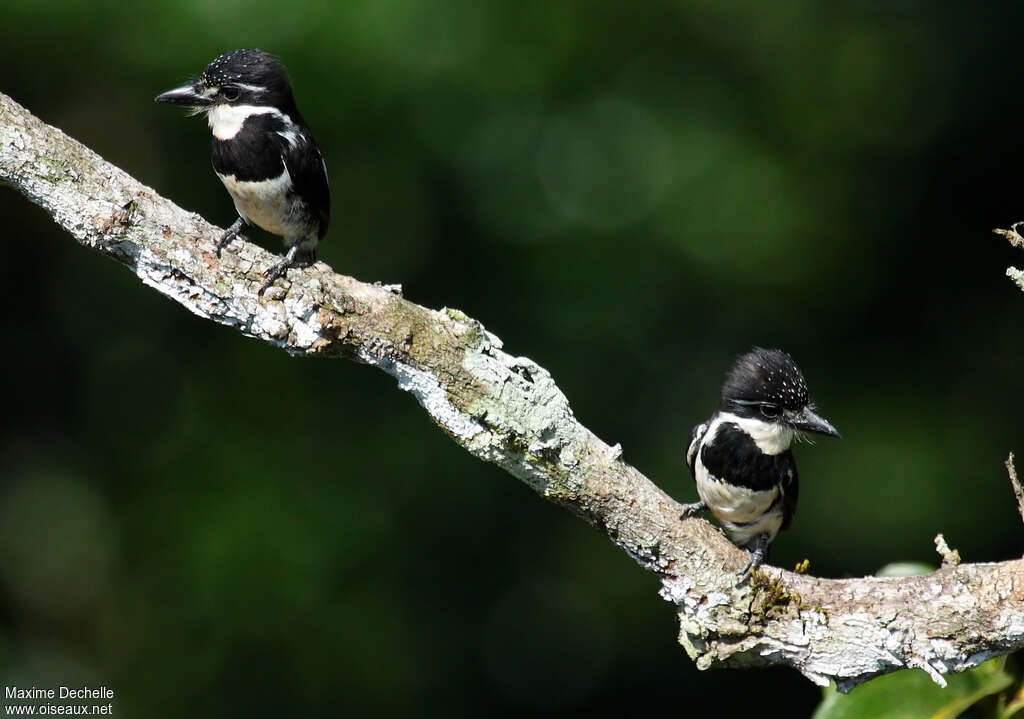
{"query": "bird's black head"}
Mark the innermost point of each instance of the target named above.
(766, 384)
(240, 77)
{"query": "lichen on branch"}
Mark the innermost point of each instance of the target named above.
(507, 410)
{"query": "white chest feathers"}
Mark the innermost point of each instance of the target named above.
(268, 204)
(770, 437)
(745, 513)
(226, 120)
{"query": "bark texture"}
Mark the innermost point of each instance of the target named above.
(508, 410)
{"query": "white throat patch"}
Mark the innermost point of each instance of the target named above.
(226, 120)
(770, 437)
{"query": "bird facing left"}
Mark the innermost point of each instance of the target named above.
(263, 152)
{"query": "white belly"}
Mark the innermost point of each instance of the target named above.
(266, 204)
(745, 513)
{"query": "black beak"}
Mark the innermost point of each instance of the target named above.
(190, 95)
(808, 421)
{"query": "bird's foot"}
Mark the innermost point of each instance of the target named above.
(757, 556)
(230, 234)
(293, 258)
(693, 509)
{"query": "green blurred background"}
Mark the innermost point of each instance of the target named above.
(628, 193)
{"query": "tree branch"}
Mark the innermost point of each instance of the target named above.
(1018, 491)
(507, 410)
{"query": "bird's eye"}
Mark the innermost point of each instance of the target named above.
(230, 92)
(769, 411)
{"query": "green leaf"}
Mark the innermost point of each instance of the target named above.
(910, 694)
(1015, 709)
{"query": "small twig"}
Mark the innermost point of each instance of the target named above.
(1017, 490)
(1015, 238)
(950, 557)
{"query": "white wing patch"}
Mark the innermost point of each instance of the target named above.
(290, 136)
(691, 452)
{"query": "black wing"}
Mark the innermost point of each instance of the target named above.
(308, 171)
(695, 438)
(789, 488)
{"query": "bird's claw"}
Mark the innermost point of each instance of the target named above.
(291, 259)
(693, 509)
(757, 556)
(230, 234)
(751, 566)
(273, 274)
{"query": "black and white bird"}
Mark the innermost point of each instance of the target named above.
(741, 458)
(263, 152)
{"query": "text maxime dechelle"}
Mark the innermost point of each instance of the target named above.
(60, 693)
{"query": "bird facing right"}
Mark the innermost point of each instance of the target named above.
(741, 459)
